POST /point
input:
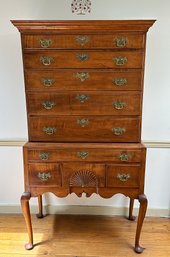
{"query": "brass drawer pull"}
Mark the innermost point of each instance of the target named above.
(124, 157)
(46, 60)
(44, 156)
(120, 61)
(48, 82)
(82, 98)
(44, 176)
(123, 177)
(49, 130)
(119, 105)
(82, 76)
(83, 122)
(82, 57)
(82, 40)
(120, 81)
(121, 41)
(118, 131)
(45, 42)
(83, 154)
(48, 105)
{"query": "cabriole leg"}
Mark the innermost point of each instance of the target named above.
(142, 211)
(26, 212)
(40, 207)
(131, 217)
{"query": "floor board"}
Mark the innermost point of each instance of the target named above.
(83, 236)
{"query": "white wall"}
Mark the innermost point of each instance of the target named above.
(156, 118)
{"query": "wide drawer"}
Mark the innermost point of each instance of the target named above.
(83, 59)
(83, 41)
(123, 175)
(84, 129)
(84, 154)
(84, 103)
(83, 175)
(85, 79)
(46, 174)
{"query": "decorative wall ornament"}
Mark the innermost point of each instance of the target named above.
(81, 6)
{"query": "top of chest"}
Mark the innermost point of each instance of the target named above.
(120, 34)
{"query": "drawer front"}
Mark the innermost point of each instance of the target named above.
(83, 59)
(46, 104)
(83, 175)
(123, 176)
(83, 129)
(85, 79)
(84, 154)
(88, 103)
(118, 41)
(46, 174)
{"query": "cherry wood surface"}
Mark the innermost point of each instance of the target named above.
(93, 41)
(101, 166)
(97, 128)
(61, 154)
(71, 59)
(51, 168)
(133, 170)
(83, 27)
(97, 79)
(85, 102)
(84, 86)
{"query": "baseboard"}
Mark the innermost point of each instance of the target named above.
(84, 210)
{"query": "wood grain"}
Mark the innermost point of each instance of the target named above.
(135, 41)
(66, 80)
(70, 236)
(70, 59)
(99, 128)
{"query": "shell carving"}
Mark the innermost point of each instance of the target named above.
(84, 178)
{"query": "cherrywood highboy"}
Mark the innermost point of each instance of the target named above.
(84, 89)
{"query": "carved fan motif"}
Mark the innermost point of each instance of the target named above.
(84, 178)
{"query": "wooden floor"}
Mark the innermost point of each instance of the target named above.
(79, 236)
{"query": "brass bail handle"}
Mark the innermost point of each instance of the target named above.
(46, 60)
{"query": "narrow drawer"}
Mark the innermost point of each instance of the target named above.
(46, 174)
(84, 103)
(85, 79)
(84, 154)
(83, 175)
(83, 41)
(84, 129)
(123, 176)
(83, 59)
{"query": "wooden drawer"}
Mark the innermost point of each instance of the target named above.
(85, 103)
(83, 59)
(84, 129)
(84, 154)
(46, 103)
(86, 79)
(83, 175)
(123, 175)
(83, 41)
(46, 174)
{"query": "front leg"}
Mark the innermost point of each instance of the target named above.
(142, 211)
(26, 212)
